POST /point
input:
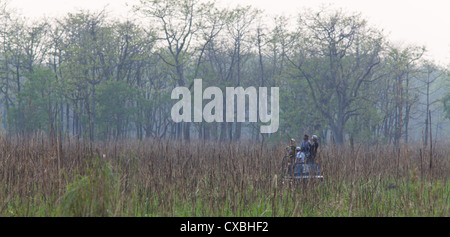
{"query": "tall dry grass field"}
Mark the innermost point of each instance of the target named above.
(170, 178)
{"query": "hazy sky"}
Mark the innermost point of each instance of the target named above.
(422, 22)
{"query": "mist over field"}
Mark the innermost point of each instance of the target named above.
(99, 114)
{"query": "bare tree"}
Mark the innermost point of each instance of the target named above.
(337, 58)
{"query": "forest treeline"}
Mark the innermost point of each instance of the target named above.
(89, 75)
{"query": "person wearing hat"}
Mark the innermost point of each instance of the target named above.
(291, 149)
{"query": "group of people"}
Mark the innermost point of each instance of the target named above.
(303, 158)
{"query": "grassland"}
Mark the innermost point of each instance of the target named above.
(169, 178)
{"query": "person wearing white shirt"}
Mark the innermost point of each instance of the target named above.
(299, 161)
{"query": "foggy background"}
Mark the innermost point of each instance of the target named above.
(406, 21)
(93, 73)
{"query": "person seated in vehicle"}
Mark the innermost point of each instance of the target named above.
(299, 161)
